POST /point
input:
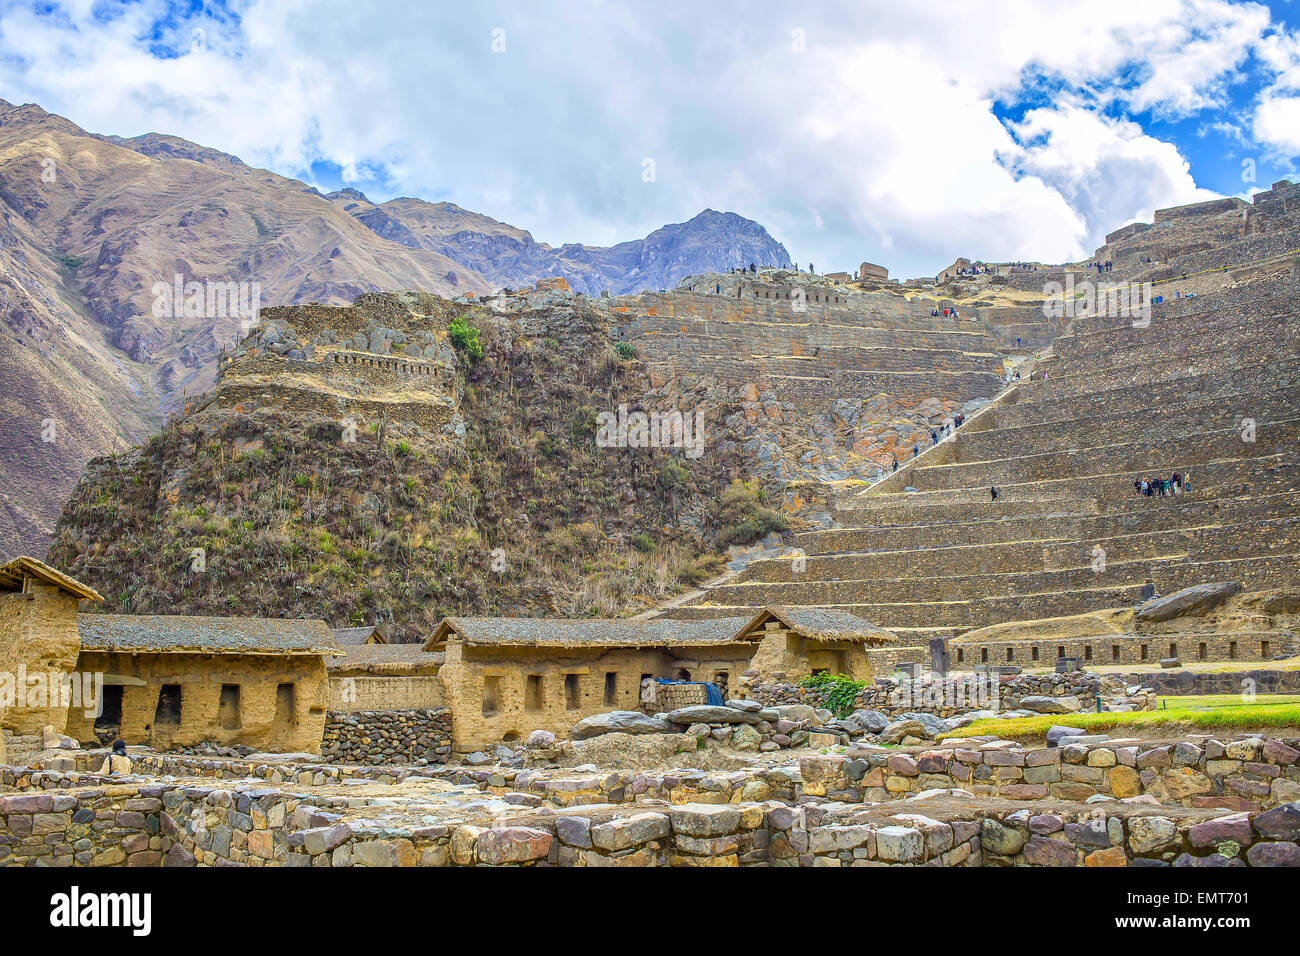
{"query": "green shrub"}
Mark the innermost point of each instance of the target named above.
(465, 338)
(839, 691)
(625, 350)
(742, 519)
(643, 543)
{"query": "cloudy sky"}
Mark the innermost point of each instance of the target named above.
(904, 134)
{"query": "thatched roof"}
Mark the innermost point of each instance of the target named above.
(586, 632)
(354, 636)
(171, 634)
(385, 660)
(12, 574)
(821, 624)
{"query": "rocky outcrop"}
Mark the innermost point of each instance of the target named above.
(1193, 601)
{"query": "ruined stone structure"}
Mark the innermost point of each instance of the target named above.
(505, 677)
(167, 681)
(1205, 388)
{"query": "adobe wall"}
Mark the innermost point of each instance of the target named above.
(782, 653)
(350, 694)
(486, 688)
(264, 722)
(38, 635)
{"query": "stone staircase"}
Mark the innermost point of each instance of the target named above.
(1068, 533)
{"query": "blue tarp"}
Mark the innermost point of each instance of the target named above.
(712, 690)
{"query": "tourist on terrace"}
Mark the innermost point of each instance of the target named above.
(993, 493)
(117, 763)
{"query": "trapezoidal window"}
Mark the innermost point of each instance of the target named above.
(611, 687)
(110, 711)
(285, 704)
(572, 695)
(228, 707)
(168, 712)
(1033, 653)
(533, 693)
(491, 695)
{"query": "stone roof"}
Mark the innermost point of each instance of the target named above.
(824, 624)
(169, 634)
(13, 572)
(352, 636)
(587, 632)
(386, 660)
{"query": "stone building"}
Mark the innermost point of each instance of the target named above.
(869, 270)
(179, 681)
(38, 636)
(793, 641)
(505, 677)
(356, 636)
(166, 681)
(369, 677)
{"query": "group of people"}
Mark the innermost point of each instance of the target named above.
(1160, 487)
(952, 313)
(946, 429)
(1107, 266)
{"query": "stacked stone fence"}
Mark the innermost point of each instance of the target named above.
(389, 736)
(951, 696)
(678, 819)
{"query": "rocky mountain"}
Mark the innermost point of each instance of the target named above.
(509, 257)
(122, 257)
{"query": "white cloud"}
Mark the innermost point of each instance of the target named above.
(879, 141)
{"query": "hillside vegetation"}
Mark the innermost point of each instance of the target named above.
(523, 514)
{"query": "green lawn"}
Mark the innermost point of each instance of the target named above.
(1247, 716)
(1202, 701)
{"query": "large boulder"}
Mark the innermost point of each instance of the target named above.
(1197, 600)
(799, 713)
(1057, 731)
(899, 729)
(708, 714)
(622, 722)
(933, 724)
(871, 721)
(1051, 705)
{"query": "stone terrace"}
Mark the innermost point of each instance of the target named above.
(1119, 403)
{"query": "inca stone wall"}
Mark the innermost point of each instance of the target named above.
(387, 737)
